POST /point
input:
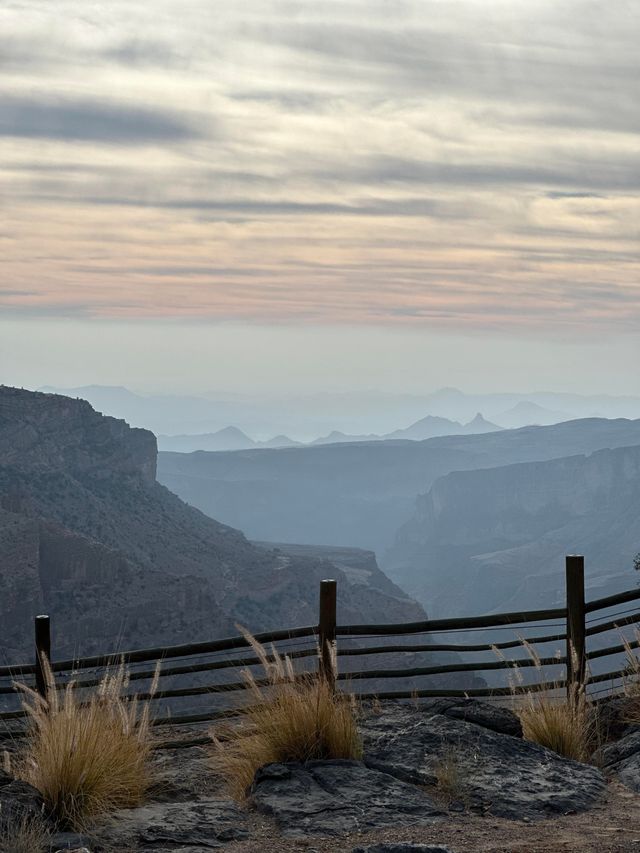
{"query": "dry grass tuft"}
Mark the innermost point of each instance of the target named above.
(294, 718)
(87, 757)
(25, 836)
(564, 725)
(449, 776)
(632, 682)
(560, 721)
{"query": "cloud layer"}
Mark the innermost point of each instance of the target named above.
(459, 164)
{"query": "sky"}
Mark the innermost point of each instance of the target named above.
(266, 194)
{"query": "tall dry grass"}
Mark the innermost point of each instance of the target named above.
(24, 836)
(86, 757)
(294, 718)
(632, 681)
(560, 720)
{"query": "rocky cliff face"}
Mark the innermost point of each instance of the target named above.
(88, 535)
(51, 432)
(496, 538)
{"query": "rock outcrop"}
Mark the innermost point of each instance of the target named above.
(337, 798)
(493, 773)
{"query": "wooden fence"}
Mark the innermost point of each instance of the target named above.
(580, 629)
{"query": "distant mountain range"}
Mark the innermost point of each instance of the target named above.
(229, 438)
(304, 417)
(232, 438)
(427, 427)
(360, 494)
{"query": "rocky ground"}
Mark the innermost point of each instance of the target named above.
(452, 774)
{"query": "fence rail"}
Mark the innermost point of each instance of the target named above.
(319, 645)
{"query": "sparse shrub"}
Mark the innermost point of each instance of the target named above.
(558, 720)
(294, 718)
(448, 774)
(562, 724)
(25, 836)
(86, 757)
(632, 682)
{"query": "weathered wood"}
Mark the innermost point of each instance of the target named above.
(450, 647)
(208, 666)
(190, 719)
(43, 652)
(473, 692)
(458, 624)
(184, 650)
(614, 624)
(612, 600)
(327, 631)
(576, 642)
(13, 715)
(613, 650)
(443, 669)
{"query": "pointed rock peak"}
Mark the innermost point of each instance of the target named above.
(481, 424)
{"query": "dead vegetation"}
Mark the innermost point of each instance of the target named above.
(86, 757)
(296, 717)
(25, 836)
(449, 777)
(559, 719)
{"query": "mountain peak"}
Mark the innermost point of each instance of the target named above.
(480, 424)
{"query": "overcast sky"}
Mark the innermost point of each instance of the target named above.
(426, 190)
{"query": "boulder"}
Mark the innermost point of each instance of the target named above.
(620, 750)
(622, 760)
(200, 825)
(484, 714)
(19, 802)
(338, 797)
(489, 772)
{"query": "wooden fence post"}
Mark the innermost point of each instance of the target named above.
(43, 650)
(576, 645)
(327, 630)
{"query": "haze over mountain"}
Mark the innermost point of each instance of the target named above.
(496, 539)
(305, 417)
(359, 494)
(88, 534)
(229, 438)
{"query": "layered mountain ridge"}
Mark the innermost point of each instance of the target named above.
(87, 534)
(361, 494)
(495, 539)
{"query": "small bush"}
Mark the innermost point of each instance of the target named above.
(448, 774)
(86, 757)
(294, 718)
(564, 725)
(558, 720)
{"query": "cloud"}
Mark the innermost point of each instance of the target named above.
(475, 162)
(92, 121)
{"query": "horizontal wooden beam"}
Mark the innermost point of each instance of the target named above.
(458, 624)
